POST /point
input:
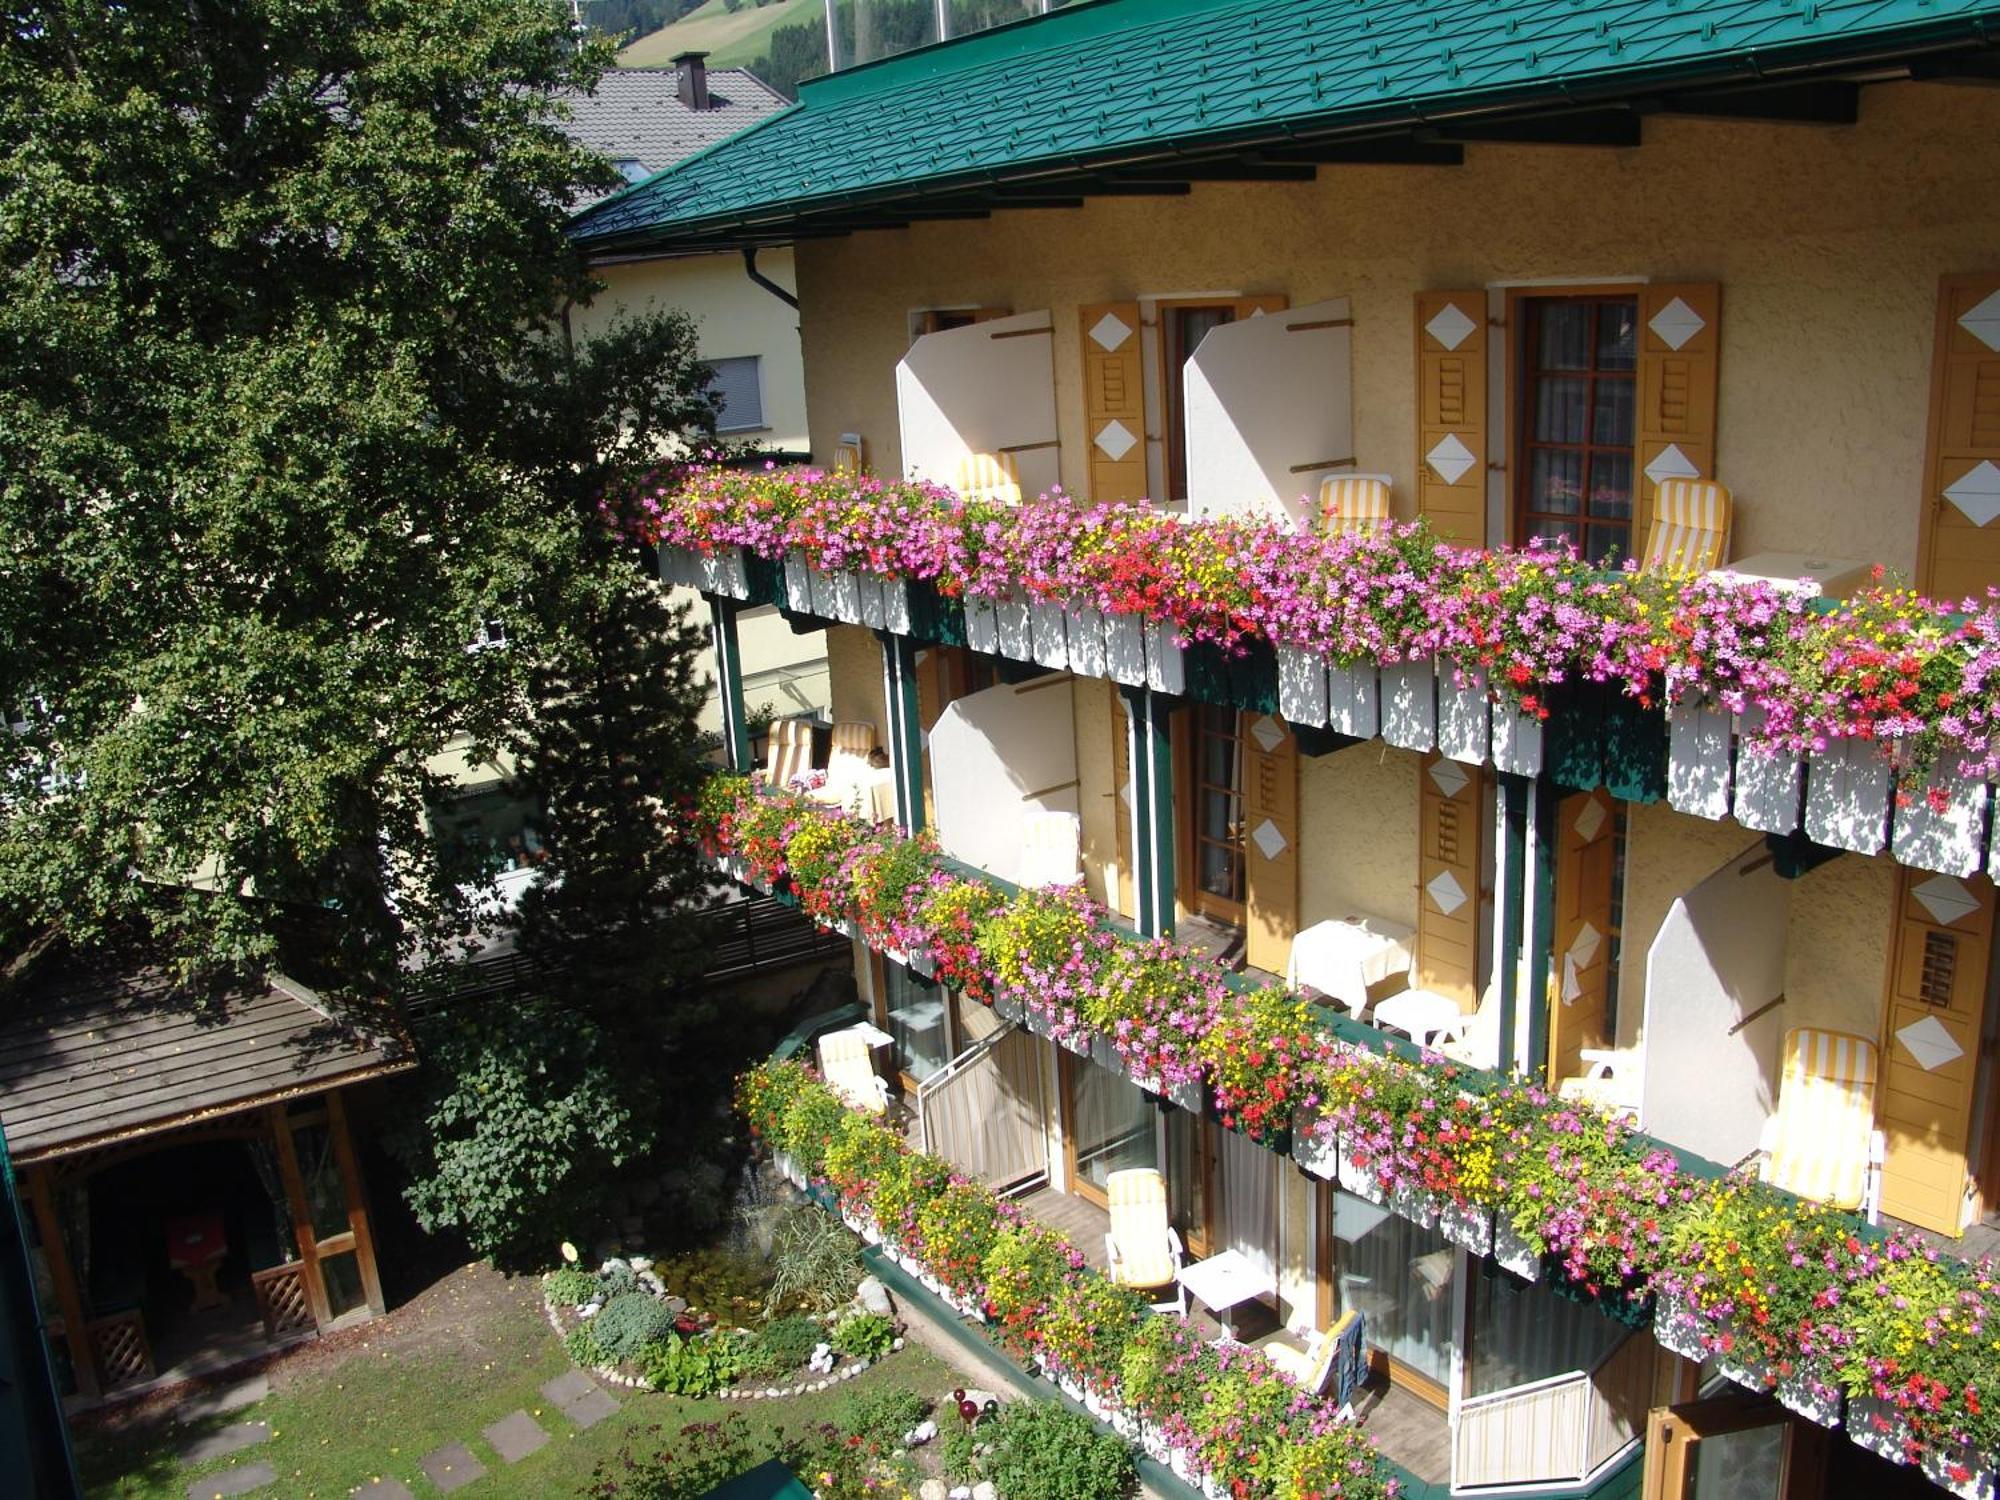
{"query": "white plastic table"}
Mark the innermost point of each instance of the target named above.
(1797, 572)
(869, 1033)
(1342, 957)
(1223, 1281)
(1422, 1016)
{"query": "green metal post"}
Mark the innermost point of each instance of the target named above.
(1514, 794)
(906, 730)
(729, 682)
(1150, 755)
(1540, 952)
(34, 1436)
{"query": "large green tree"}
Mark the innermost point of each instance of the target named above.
(288, 412)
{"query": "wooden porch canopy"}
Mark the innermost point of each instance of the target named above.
(94, 1052)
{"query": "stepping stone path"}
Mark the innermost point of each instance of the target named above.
(385, 1489)
(232, 1482)
(220, 1400)
(515, 1436)
(228, 1440)
(579, 1398)
(451, 1467)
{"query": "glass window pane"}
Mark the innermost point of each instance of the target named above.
(1611, 485)
(1565, 336)
(1114, 1125)
(1618, 335)
(342, 1274)
(1399, 1275)
(1604, 543)
(1557, 531)
(1555, 483)
(1612, 420)
(1187, 1177)
(1562, 409)
(1746, 1465)
(916, 1012)
(326, 1198)
(1519, 1333)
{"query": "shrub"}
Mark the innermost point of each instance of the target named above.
(583, 1347)
(700, 1457)
(882, 1416)
(616, 1281)
(1052, 1453)
(629, 1323)
(788, 1343)
(570, 1287)
(810, 1121)
(697, 1366)
(865, 1336)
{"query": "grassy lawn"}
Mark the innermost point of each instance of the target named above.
(374, 1401)
(730, 40)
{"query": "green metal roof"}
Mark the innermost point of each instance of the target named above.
(1125, 81)
(770, 1480)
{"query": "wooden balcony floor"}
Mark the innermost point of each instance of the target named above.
(1409, 1431)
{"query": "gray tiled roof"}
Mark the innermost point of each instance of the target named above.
(637, 114)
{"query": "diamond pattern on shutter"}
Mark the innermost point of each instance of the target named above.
(1114, 400)
(1451, 413)
(1959, 544)
(1982, 320)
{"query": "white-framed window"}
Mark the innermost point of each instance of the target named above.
(631, 168)
(739, 387)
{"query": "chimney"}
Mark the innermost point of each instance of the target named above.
(693, 87)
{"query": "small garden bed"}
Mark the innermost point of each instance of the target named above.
(732, 1325)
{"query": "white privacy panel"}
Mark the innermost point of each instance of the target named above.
(995, 756)
(988, 388)
(1270, 412)
(1718, 957)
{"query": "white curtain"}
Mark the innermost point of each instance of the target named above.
(1522, 1333)
(1398, 1274)
(1249, 1181)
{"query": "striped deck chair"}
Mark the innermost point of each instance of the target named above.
(1143, 1248)
(1050, 842)
(1690, 532)
(1334, 1361)
(990, 476)
(1822, 1142)
(849, 1069)
(789, 751)
(850, 454)
(846, 766)
(1354, 504)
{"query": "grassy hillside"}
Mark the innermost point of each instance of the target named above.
(731, 40)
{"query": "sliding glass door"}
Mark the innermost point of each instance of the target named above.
(1112, 1126)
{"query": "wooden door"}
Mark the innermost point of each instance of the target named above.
(1580, 967)
(1214, 879)
(1748, 1448)
(1931, 1037)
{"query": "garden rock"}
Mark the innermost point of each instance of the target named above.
(874, 1297)
(932, 1489)
(920, 1434)
(984, 1490)
(675, 1305)
(962, 1492)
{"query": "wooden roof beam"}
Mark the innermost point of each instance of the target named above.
(1250, 167)
(1821, 102)
(1974, 69)
(1394, 151)
(1595, 127)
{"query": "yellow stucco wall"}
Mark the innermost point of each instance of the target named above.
(734, 316)
(1828, 243)
(1358, 846)
(1098, 803)
(854, 675)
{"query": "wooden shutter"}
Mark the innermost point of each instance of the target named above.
(1114, 401)
(1451, 414)
(1450, 826)
(1121, 781)
(1270, 841)
(1580, 967)
(1931, 1043)
(1960, 547)
(1680, 335)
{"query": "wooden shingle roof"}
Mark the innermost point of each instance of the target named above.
(93, 1050)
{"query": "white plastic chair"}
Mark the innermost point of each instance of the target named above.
(848, 1065)
(1144, 1249)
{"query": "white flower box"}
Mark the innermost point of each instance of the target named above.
(896, 605)
(1085, 628)
(1517, 741)
(798, 583)
(1049, 635)
(1848, 787)
(1816, 1401)
(1413, 1203)
(1938, 1467)
(1010, 1008)
(871, 600)
(846, 586)
(1316, 1153)
(677, 570)
(1677, 1327)
(1104, 1052)
(1767, 785)
(1513, 1251)
(1191, 1096)
(1947, 841)
(1698, 735)
(1463, 728)
(1353, 700)
(982, 626)
(1409, 705)
(1016, 635)
(1359, 1180)
(1879, 1427)
(1039, 1021)
(1467, 1225)
(822, 593)
(1166, 659)
(1301, 686)
(1125, 649)
(722, 572)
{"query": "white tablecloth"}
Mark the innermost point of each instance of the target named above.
(1222, 1281)
(1342, 957)
(1421, 1016)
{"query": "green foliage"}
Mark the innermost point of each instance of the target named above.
(570, 1286)
(685, 1465)
(1043, 1449)
(882, 1415)
(697, 1366)
(809, 1123)
(787, 1343)
(520, 1116)
(956, 1441)
(814, 1262)
(581, 1342)
(628, 1323)
(864, 1335)
(290, 410)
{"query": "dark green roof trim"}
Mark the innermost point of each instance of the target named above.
(1109, 84)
